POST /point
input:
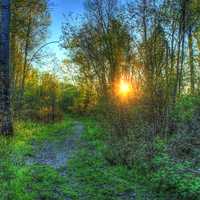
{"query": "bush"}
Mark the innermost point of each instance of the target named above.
(185, 108)
(6, 173)
(172, 177)
(43, 115)
(185, 143)
(38, 182)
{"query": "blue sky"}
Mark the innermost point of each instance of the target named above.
(58, 9)
(62, 7)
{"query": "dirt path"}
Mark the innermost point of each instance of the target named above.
(57, 152)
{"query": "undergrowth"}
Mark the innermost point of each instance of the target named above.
(19, 181)
(90, 176)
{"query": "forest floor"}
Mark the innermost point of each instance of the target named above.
(63, 161)
(56, 152)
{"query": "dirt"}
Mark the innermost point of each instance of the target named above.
(56, 153)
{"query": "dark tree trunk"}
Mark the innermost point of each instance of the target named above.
(191, 61)
(5, 100)
(183, 31)
(25, 65)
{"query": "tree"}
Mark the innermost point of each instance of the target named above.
(5, 103)
(101, 47)
(29, 24)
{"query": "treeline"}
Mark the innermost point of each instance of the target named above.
(28, 92)
(46, 98)
(29, 25)
(23, 27)
(154, 46)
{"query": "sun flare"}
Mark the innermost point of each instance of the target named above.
(124, 87)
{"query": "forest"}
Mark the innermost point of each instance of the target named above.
(116, 116)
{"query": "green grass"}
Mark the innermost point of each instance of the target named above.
(19, 181)
(171, 178)
(89, 176)
(92, 177)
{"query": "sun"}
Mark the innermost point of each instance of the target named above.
(124, 87)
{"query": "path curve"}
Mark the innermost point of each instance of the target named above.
(56, 153)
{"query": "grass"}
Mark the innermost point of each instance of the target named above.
(19, 181)
(89, 175)
(92, 177)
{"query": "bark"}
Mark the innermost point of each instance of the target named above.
(191, 60)
(25, 65)
(5, 100)
(183, 22)
(13, 51)
(144, 20)
(180, 51)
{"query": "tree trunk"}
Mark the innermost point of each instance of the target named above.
(183, 22)
(25, 64)
(144, 20)
(5, 100)
(13, 51)
(191, 60)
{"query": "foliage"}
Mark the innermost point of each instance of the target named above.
(184, 144)
(172, 177)
(185, 108)
(21, 181)
(46, 98)
(6, 173)
(38, 182)
(92, 176)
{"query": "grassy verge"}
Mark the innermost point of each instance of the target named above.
(19, 181)
(92, 177)
(89, 175)
(172, 178)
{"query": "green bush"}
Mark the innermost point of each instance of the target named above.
(185, 108)
(38, 182)
(185, 143)
(95, 179)
(172, 177)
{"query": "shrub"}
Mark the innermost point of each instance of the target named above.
(172, 177)
(185, 144)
